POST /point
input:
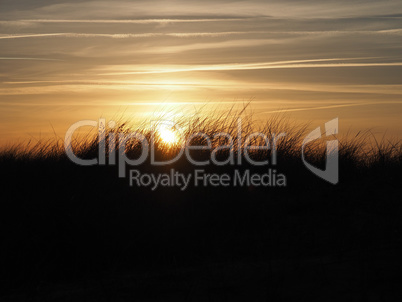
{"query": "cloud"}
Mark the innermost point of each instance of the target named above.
(330, 107)
(249, 66)
(117, 21)
(137, 21)
(30, 59)
(120, 9)
(128, 35)
(397, 31)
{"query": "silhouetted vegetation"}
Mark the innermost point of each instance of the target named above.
(78, 233)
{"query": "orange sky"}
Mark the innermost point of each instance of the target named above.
(64, 61)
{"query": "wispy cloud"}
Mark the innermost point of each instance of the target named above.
(330, 107)
(194, 84)
(248, 66)
(125, 35)
(31, 59)
(130, 21)
(396, 31)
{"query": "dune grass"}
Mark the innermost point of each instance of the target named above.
(360, 149)
(62, 223)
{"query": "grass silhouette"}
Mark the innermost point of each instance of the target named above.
(82, 233)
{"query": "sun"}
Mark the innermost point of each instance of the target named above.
(167, 135)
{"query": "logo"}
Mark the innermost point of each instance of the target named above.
(331, 171)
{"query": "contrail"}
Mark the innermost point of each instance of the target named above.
(328, 107)
(257, 66)
(35, 59)
(397, 31)
(136, 21)
(125, 36)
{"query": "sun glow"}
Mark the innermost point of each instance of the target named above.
(168, 135)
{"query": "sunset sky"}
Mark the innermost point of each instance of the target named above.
(64, 61)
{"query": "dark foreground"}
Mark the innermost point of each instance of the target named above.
(71, 233)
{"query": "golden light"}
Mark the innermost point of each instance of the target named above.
(167, 134)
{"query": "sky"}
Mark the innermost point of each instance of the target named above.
(65, 61)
